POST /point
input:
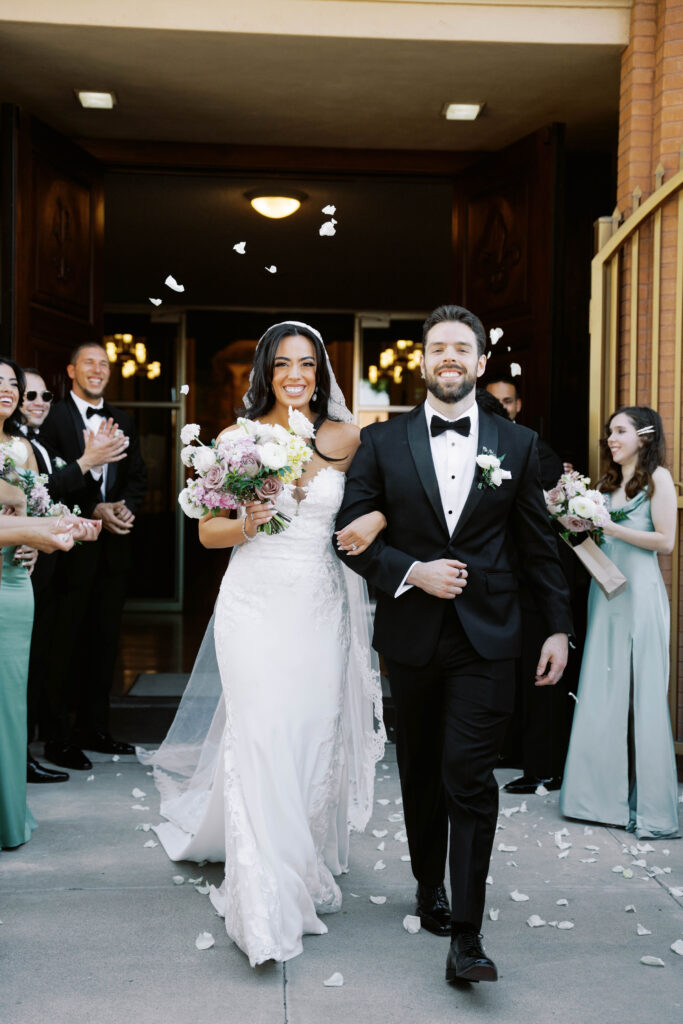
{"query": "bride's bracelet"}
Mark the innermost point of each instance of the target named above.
(244, 530)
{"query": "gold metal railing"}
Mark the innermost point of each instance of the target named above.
(636, 352)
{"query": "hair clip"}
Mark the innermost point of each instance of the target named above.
(646, 430)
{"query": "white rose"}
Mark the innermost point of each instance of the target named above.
(16, 450)
(582, 507)
(189, 433)
(204, 459)
(488, 461)
(272, 455)
(187, 505)
(280, 434)
(253, 428)
(187, 455)
(300, 424)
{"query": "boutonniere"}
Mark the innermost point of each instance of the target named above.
(58, 463)
(492, 475)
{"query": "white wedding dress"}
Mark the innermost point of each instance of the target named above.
(286, 765)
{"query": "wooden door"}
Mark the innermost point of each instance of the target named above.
(53, 204)
(505, 237)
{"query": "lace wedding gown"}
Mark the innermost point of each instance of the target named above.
(287, 764)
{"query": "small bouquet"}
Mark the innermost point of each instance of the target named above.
(582, 513)
(252, 463)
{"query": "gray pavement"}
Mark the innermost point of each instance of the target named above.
(94, 930)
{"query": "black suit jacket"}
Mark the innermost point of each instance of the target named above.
(62, 433)
(498, 529)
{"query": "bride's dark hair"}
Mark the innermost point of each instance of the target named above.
(651, 455)
(260, 398)
(14, 422)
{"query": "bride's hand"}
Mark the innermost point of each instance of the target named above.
(359, 535)
(258, 513)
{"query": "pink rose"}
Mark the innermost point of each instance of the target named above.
(269, 488)
(574, 524)
(555, 496)
(213, 478)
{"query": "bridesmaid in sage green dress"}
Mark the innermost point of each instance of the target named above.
(16, 622)
(621, 767)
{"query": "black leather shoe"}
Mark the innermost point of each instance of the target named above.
(433, 909)
(67, 756)
(103, 743)
(467, 960)
(529, 784)
(36, 772)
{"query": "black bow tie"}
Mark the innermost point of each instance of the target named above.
(32, 433)
(92, 411)
(461, 426)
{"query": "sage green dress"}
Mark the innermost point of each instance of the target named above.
(622, 700)
(16, 622)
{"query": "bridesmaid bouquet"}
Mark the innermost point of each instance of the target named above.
(581, 513)
(34, 485)
(252, 463)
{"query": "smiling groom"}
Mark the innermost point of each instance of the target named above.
(461, 493)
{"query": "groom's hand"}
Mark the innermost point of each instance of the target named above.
(444, 577)
(553, 660)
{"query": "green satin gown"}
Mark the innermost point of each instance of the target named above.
(622, 700)
(16, 622)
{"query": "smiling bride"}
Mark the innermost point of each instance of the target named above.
(270, 768)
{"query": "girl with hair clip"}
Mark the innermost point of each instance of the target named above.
(621, 767)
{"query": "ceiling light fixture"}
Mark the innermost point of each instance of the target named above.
(462, 111)
(96, 100)
(275, 203)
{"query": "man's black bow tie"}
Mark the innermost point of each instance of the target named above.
(31, 433)
(92, 411)
(461, 426)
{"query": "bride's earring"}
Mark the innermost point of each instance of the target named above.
(315, 395)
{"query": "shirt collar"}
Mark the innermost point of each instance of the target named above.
(472, 412)
(83, 406)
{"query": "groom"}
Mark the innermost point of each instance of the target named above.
(448, 616)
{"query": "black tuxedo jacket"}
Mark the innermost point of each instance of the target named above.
(499, 529)
(62, 433)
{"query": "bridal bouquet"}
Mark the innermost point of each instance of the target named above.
(34, 485)
(252, 463)
(581, 513)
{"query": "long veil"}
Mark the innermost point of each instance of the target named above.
(185, 764)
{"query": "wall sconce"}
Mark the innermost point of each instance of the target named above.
(275, 203)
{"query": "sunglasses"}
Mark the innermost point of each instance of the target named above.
(46, 396)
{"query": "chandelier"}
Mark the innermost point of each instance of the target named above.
(395, 362)
(131, 353)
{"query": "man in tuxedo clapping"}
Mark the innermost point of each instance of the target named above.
(92, 582)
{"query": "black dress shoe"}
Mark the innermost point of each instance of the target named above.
(467, 960)
(530, 783)
(67, 756)
(36, 772)
(103, 743)
(433, 909)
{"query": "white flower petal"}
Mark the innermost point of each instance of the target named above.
(328, 228)
(379, 901)
(117, 758)
(628, 873)
(90, 778)
(395, 818)
(515, 370)
(563, 854)
(272, 269)
(330, 211)
(383, 802)
(593, 849)
(642, 930)
(143, 828)
(204, 940)
(535, 921)
(171, 282)
(588, 860)
(652, 961)
(156, 302)
(495, 334)
(381, 846)
(401, 836)
(240, 247)
(406, 857)
(379, 866)
(196, 881)
(630, 908)
(184, 389)
(565, 925)
(676, 890)
(138, 794)
(203, 890)
(518, 897)
(138, 807)
(489, 879)
(541, 790)
(412, 924)
(507, 849)
(355, 895)
(509, 811)
(150, 844)
(562, 903)
(494, 913)
(380, 833)
(178, 879)
(677, 946)
(335, 980)
(618, 869)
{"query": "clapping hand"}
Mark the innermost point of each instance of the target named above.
(105, 445)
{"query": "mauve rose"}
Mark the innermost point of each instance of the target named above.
(249, 464)
(213, 478)
(555, 496)
(269, 488)
(574, 524)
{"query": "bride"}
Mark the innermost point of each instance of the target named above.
(271, 779)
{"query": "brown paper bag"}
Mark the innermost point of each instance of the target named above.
(603, 570)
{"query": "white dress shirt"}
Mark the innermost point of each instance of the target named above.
(92, 425)
(454, 458)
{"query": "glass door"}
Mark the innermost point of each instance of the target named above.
(387, 378)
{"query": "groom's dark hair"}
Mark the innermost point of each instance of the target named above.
(460, 315)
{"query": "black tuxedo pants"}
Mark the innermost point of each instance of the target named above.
(451, 717)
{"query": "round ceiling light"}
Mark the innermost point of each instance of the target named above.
(275, 203)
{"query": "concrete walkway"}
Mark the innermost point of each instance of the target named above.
(94, 931)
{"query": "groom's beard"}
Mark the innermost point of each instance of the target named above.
(451, 391)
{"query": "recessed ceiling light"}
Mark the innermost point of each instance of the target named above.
(96, 100)
(462, 111)
(275, 203)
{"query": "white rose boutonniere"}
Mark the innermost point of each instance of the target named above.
(490, 470)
